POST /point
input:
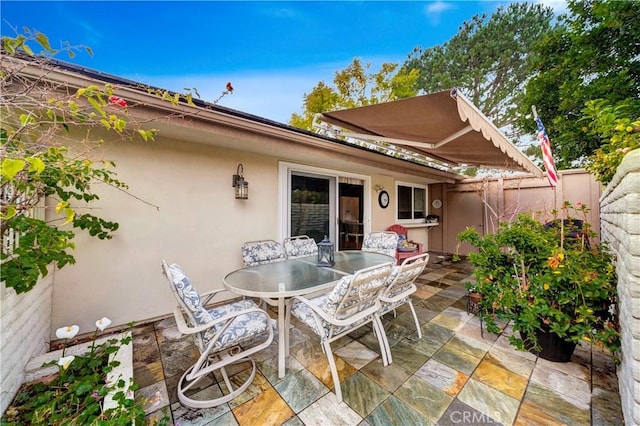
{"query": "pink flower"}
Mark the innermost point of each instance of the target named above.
(229, 87)
(156, 399)
(117, 100)
(579, 204)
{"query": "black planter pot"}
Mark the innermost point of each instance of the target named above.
(553, 347)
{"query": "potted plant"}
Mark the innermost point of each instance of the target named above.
(552, 281)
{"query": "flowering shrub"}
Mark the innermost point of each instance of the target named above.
(76, 394)
(546, 276)
(619, 131)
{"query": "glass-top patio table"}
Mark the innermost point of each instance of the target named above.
(275, 282)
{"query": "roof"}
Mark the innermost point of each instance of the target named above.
(249, 121)
(445, 126)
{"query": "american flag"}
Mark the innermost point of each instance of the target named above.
(547, 158)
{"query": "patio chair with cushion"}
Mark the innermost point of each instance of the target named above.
(299, 246)
(260, 252)
(381, 242)
(225, 334)
(402, 286)
(406, 248)
(353, 302)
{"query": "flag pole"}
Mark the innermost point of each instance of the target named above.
(545, 146)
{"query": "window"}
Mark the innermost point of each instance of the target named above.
(411, 202)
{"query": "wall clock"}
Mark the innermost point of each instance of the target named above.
(383, 199)
(436, 204)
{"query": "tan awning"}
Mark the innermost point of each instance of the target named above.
(444, 126)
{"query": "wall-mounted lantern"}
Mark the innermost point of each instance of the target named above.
(241, 185)
(326, 251)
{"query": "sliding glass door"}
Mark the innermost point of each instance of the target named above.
(311, 205)
(319, 202)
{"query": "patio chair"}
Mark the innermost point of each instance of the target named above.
(225, 335)
(407, 249)
(354, 234)
(263, 251)
(299, 246)
(353, 302)
(402, 286)
(381, 242)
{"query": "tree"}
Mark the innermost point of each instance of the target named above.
(592, 55)
(353, 87)
(488, 60)
(49, 135)
(619, 132)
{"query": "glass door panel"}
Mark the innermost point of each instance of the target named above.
(351, 213)
(311, 206)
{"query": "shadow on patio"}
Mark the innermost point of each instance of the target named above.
(450, 376)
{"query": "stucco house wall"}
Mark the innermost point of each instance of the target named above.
(180, 207)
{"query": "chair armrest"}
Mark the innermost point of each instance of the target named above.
(185, 328)
(207, 297)
(331, 320)
(311, 305)
(419, 245)
(392, 299)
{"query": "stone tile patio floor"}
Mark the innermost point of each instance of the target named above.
(451, 376)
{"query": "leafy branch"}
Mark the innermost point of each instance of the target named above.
(50, 139)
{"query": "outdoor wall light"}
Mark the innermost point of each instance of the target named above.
(241, 185)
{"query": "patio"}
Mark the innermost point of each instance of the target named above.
(450, 376)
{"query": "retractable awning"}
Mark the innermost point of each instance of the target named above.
(445, 126)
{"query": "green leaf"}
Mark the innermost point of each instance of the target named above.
(70, 214)
(96, 106)
(36, 165)
(44, 42)
(10, 212)
(143, 134)
(60, 206)
(11, 167)
(27, 50)
(9, 45)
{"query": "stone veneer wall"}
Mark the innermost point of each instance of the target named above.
(620, 227)
(25, 327)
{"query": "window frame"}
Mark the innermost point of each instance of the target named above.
(413, 187)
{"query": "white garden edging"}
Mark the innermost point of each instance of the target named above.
(34, 370)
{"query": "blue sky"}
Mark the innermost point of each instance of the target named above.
(272, 52)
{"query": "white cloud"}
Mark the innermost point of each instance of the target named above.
(435, 9)
(558, 6)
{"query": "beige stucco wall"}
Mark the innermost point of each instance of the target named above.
(383, 218)
(197, 223)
